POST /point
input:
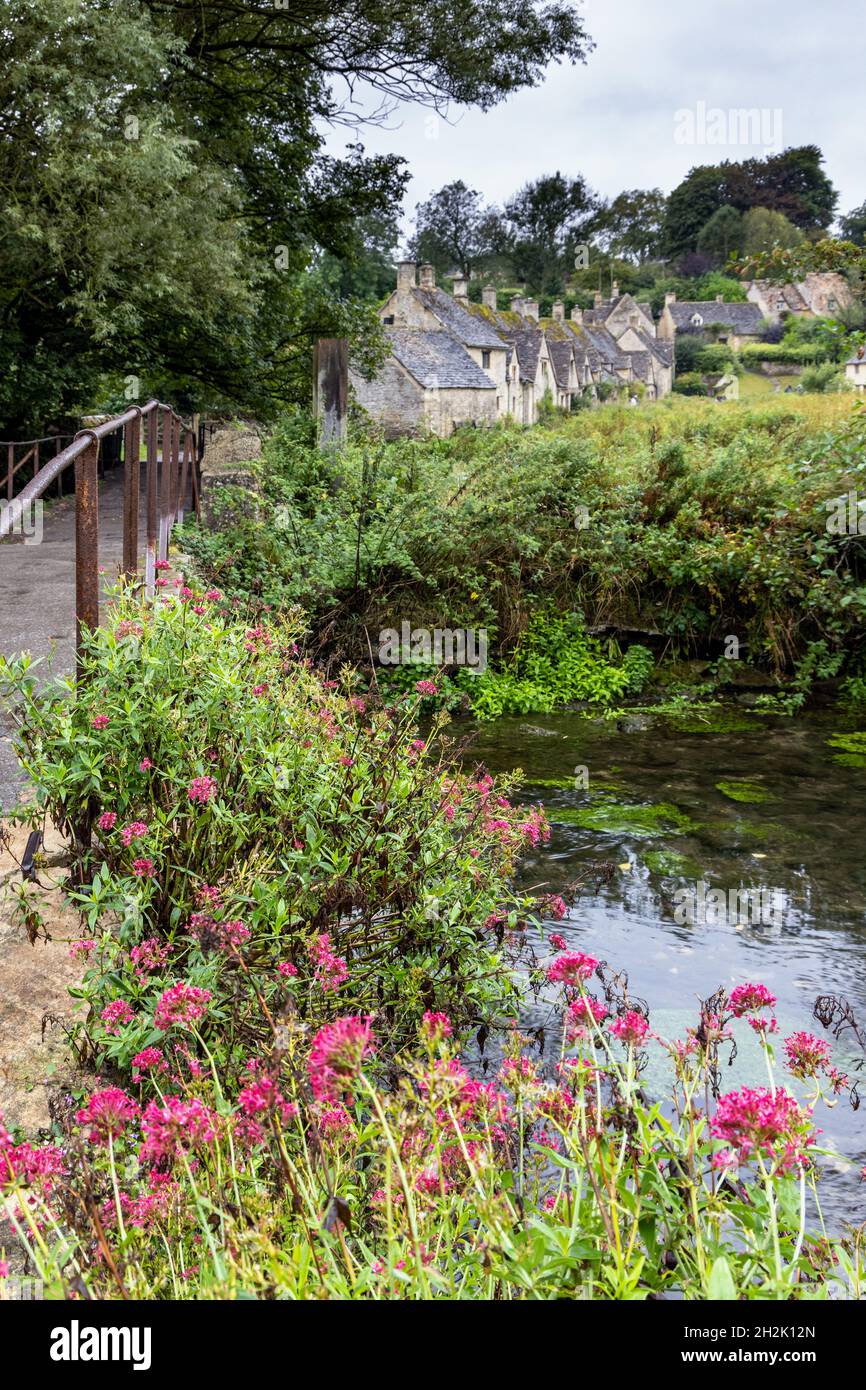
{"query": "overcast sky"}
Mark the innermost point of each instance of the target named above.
(617, 118)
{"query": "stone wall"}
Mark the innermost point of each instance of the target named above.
(229, 487)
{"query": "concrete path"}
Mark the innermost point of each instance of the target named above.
(37, 595)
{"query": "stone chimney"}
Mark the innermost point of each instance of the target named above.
(517, 305)
(614, 289)
(634, 320)
(460, 288)
(406, 275)
(670, 297)
(530, 309)
(558, 311)
(598, 299)
(488, 296)
(577, 314)
(427, 277)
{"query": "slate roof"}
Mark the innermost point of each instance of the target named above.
(434, 359)
(742, 318)
(659, 347)
(561, 355)
(469, 328)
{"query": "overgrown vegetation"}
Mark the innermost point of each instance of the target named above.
(671, 528)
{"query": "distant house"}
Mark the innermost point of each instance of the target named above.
(855, 370)
(818, 295)
(734, 324)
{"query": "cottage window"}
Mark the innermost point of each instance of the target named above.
(389, 318)
(485, 359)
(543, 367)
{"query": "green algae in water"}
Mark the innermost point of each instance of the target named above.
(610, 818)
(853, 749)
(742, 789)
(721, 722)
(563, 783)
(669, 864)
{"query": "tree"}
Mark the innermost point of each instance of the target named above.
(854, 225)
(546, 220)
(690, 207)
(764, 229)
(631, 224)
(722, 234)
(195, 250)
(455, 229)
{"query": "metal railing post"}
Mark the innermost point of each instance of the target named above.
(86, 539)
(165, 485)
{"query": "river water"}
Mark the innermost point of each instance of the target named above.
(643, 797)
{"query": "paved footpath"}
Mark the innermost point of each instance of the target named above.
(37, 595)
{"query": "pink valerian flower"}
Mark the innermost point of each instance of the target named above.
(337, 1055)
(724, 1161)
(4, 1269)
(495, 920)
(582, 1013)
(145, 765)
(553, 906)
(334, 1121)
(160, 584)
(143, 868)
(128, 629)
(750, 999)
(357, 704)
(233, 934)
(806, 1054)
(259, 1102)
(181, 1004)
(162, 565)
(107, 820)
(213, 595)
(173, 1125)
(287, 969)
(206, 895)
(149, 955)
(201, 790)
(85, 947)
(631, 1028)
(435, 1027)
(136, 830)
(426, 687)
(260, 690)
(329, 970)
(34, 1165)
(116, 1014)
(535, 828)
(520, 1074)
(345, 760)
(107, 1113)
(151, 1059)
(258, 640)
(756, 1122)
(557, 941)
(100, 721)
(571, 968)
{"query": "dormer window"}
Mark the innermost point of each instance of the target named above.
(543, 367)
(696, 321)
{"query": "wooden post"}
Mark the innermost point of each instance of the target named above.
(331, 390)
(86, 540)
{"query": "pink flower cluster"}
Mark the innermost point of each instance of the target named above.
(337, 1055)
(107, 1113)
(806, 1054)
(116, 1014)
(149, 955)
(136, 830)
(756, 1122)
(571, 968)
(201, 790)
(631, 1028)
(181, 1004)
(435, 1027)
(174, 1125)
(329, 970)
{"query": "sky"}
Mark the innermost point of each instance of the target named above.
(645, 108)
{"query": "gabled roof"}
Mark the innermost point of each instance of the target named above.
(661, 348)
(562, 356)
(435, 359)
(743, 318)
(471, 329)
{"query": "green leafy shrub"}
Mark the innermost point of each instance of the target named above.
(245, 823)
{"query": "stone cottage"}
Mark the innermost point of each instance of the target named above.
(818, 295)
(725, 322)
(855, 369)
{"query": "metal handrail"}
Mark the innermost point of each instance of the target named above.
(163, 510)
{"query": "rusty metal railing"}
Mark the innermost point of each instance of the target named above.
(170, 443)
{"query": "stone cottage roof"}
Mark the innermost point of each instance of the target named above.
(742, 318)
(661, 348)
(472, 329)
(561, 355)
(435, 359)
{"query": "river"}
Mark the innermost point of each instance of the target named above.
(736, 802)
